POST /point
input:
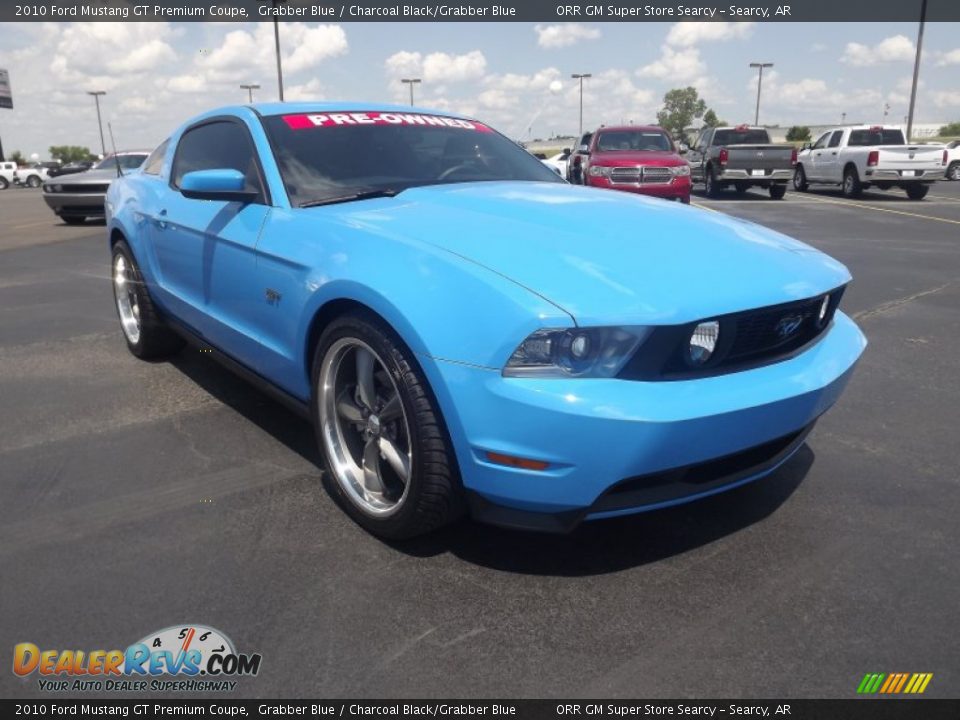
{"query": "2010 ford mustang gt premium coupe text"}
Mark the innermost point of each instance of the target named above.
(468, 332)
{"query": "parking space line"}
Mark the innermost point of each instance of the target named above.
(30, 225)
(945, 197)
(887, 210)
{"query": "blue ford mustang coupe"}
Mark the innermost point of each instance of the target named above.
(468, 332)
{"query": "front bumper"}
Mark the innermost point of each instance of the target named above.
(79, 204)
(677, 188)
(617, 446)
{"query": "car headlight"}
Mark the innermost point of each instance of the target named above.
(680, 170)
(599, 170)
(703, 341)
(599, 352)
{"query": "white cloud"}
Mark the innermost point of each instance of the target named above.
(557, 36)
(111, 49)
(675, 65)
(310, 90)
(436, 67)
(687, 34)
(947, 99)
(186, 84)
(949, 58)
(897, 48)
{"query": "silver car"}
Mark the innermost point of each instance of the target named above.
(74, 198)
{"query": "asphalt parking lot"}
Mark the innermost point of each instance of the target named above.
(135, 496)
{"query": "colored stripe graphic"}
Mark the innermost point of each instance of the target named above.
(894, 683)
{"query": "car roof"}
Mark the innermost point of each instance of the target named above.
(296, 108)
(642, 128)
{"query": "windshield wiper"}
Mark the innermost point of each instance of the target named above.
(362, 195)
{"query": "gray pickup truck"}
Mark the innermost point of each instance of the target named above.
(743, 157)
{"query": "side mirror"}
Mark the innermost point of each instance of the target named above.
(806, 146)
(585, 149)
(683, 148)
(566, 151)
(220, 184)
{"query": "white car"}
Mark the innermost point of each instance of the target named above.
(953, 160)
(558, 162)
(861, 156)
(34, 175)
(7, 169)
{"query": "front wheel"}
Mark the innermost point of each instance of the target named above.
(917, 192)
(388, 459)
(778, 191)
(147, 336)
(4, 183)
(710, 185)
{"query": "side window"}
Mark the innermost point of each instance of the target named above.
(703, 140)
(835, 138)
(821, 141)
(154, 163)
(217, 145)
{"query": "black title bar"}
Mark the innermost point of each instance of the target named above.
(858, 11)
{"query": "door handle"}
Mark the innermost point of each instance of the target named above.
(161, 223)
(834, 152)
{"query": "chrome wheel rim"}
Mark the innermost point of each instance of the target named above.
(125, 292)
(955, 172)
(364, 426)
(848, 184)
(798, 179)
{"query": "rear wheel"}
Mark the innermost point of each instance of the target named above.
(917, 192)
(388, 459)
(147, 336)
(953, 172)
(33, 181)
(4, 183)
(852, 187)
(800, 183)
(778, 190)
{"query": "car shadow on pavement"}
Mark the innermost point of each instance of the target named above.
(606, 546)
(269, 415)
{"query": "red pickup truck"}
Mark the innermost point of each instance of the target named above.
(637, 158)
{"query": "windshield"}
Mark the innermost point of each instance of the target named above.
(741, 137)
(633, 141)
(865, 138)
(331, 155)
(127, 162)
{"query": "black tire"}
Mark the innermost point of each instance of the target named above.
(917, 192)
(434, 495)
(685, 200)
(741, 187)
(73, 219)
(4, 183)
(33, 181)
(953, 171)
(852, 187)
(711, 188)
(777, 191)
(800, 183)
(156, 339)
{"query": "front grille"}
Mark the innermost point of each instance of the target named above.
(747, 339)
(89, 188)
(641, 174)
(656, 174)
(692, 480)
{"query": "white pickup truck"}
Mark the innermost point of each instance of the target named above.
(862, 156)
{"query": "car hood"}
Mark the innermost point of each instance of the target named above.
(93, 176)
(618, 159)
(604, 256)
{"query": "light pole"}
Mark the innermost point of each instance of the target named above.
(581, 77)
(843, 118)
(276, 40)
(250, 89)
(96, 98)
(916, 68)
(760, 66)
(411, 82)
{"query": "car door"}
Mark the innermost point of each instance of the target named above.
(830, 166)
(695, 156)
(817, 159)
(206, 249)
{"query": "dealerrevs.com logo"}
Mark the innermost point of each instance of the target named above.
(178, 658)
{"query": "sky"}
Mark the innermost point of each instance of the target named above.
(515, 76)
